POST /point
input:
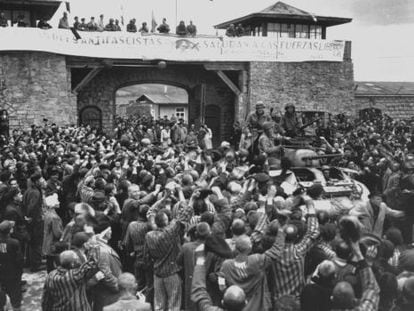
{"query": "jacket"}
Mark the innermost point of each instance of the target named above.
(33, 202)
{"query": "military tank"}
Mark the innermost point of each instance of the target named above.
(341, 192)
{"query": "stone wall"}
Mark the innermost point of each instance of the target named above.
(36, 86)
(311, 86)
(397, 107)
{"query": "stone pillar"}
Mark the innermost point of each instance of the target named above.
(36, 86)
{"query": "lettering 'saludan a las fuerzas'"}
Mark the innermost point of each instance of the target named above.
(132, 46)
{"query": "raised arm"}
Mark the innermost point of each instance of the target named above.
(277, 248)
(312, 231)
(89, 268)
(370, 290)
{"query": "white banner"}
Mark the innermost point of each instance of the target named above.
(123, 45)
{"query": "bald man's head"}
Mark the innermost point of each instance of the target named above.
(234, 298)
(244, 245)
(68, 260)
(343, 296)
(238, 227)
(291, 232)
(327, 269)
(127, 282)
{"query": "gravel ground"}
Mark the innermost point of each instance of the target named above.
(32, 298)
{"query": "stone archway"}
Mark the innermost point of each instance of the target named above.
(203, 88)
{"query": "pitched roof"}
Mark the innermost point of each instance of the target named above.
(163, 99)
(285, 12)
(283, 8)
(365, 88)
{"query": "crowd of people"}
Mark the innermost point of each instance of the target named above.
(101, 25)
(151, 216)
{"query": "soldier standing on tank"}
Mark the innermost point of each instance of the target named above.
(255, 121)
(291, 122)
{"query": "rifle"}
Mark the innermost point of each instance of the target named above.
(308, 124)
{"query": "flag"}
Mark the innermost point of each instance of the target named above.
(67, 6)
(153, 22)
(122, 15)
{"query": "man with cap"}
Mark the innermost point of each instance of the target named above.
(256, 119)
(33, 204)
(11, 264)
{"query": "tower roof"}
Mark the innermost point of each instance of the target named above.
(285, 13)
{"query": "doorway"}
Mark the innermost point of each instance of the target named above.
(91, 116)
(213, 121)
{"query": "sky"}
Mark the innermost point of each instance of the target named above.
(380, 32)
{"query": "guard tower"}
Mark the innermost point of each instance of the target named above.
(30, 10)
(285, 21)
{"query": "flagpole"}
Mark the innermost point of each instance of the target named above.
(176, 12)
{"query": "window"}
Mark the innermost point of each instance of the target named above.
(273, 30)
(287, 31)
(180, 113)
(258, 31)
(315, 32)
(302, 31)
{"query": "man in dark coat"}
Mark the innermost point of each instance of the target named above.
(181, 29)
(11, 264)
(317, 294)
(164, 27)
(32, 204)
(186, 259)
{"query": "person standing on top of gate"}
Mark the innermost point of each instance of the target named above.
(131, 27)
(3, 20)
(164, 27)
(64, 22)
(181, 29)
(192, 29)
(144, 28)
(92, 25)
(101, 23)
(231, 31)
